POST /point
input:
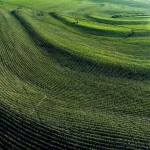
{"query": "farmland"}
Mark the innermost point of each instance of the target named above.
(75, 74)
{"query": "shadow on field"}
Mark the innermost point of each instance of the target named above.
(77, 62)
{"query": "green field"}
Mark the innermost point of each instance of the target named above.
(75, 74)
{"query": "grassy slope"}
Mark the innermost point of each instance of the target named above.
(75, 86)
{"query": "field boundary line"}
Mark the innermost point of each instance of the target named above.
(35, 107)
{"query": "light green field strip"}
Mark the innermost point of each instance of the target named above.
(139, 23)
(124, 20)
(101, 41)
(60, 5)
(106, 28)
(105, 43)
(139, 27)
(95, 25)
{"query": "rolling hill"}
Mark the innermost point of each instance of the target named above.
(75, 74)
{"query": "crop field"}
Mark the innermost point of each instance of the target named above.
(75, 74)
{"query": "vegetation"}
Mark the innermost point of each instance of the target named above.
(73, 75)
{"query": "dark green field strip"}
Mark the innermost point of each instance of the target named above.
(31, 134)
(85, 131)
(10, 133)
(92, 127)
(42, 134)
(44, 108)
(48, 137)
(41, 109)
(105, 108)
(89, 134)
(102, 144)
(53, 110)
(10, 142)
(92, 131)
(26, 137)
(45, 137)
(33, 142)
(109, 140)
(31, 137)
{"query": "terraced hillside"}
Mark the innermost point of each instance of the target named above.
(75, 74)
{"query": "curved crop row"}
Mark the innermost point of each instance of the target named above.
(78, 61)
(52, 97)
(37, 136)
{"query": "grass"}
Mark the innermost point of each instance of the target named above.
(66, 85)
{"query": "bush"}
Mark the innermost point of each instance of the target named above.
(116, 16)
